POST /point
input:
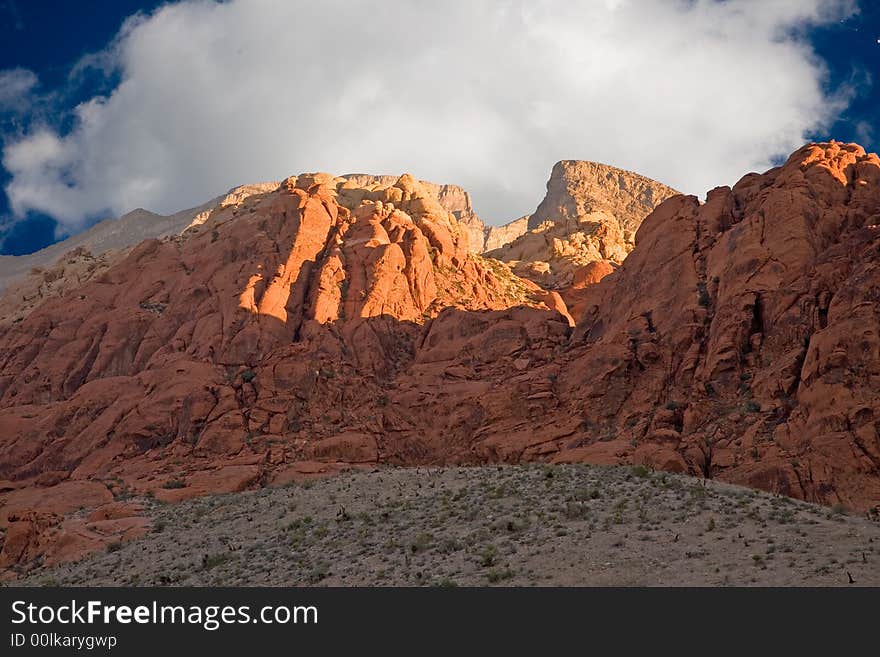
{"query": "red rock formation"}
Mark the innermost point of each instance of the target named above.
(741, 339)
(591, 273)
(320, 327)
(207, 363)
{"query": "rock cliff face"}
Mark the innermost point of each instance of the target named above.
(332, 324)
(498, 236)
(590, 214)
(741, 338)
(563, 245)
(260, 345)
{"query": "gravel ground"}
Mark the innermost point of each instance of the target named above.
(515, 525)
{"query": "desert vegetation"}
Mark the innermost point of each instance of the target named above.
(529, 525)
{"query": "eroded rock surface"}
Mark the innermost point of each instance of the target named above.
(325, 326)
(263, 343)
(741, 338)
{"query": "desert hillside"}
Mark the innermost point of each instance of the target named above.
(496, 526)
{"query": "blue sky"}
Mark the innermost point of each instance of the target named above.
(496, 135)
(48, 38)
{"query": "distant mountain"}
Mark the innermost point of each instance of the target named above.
(590, 215)
(28, 280)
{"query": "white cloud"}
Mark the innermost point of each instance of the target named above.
(484, 94)
(16, 86)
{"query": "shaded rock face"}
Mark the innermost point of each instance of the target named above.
(741, 338)
(325, 325)
(590, 214)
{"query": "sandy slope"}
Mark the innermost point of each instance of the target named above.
(524, 525)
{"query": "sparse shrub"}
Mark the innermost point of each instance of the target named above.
(210, 561)
(319, 572)
(641, 471)
(450, 545)
(248, 375)
(174, 483)
(488, 556)
(588, 494)
(495, 576)
(422, 542)
(575, 510)
(697, 492)
(299, 523)
(445, 583)
(115, 546)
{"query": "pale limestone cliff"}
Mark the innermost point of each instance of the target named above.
(590, 213)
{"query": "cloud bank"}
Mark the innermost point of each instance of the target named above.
(487, 95)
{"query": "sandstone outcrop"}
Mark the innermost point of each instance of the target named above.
(330, 324)
(27, 292)
(590, 213)
(451, 198)
(263, 337)
(741, 338)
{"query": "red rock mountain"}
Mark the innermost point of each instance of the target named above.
(741, 338)
(326, 325)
